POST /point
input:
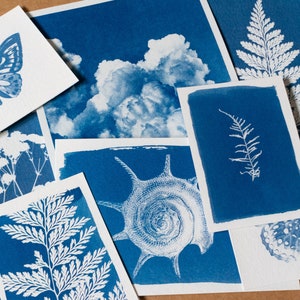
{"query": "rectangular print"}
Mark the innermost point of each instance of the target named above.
(265, 42)
(147, 194)
(54, 245)
(246, 151)
(31, 72)
(25, 162)
(267, 254)
(130, 56)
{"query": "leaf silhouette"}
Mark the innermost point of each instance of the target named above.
(247, 147)
(267, 55)
(63, 267)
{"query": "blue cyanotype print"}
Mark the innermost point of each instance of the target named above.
(265, 40)
(11, 62)
(130, 57)
(62, 257)
(243, 132)
(24, 159)
(151, 205)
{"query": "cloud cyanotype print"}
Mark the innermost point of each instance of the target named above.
(134, 99)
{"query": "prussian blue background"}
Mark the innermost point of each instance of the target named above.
(232, 195)
(110, 182)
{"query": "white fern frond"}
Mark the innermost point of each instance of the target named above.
(27, 284)
(118, 293)
(66, 231)
(77, 271)
(63, 255)
(26, 234)
(57, 203)
(291, 75)
(39, 262)
(28, 218)
(247, 147)
(61, 217)
(266, 52)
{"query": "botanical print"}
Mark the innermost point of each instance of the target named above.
(24, 72)
(148, 195)
(11, 63)
(267, 149)
(273, 45)
(130, 72)
(272, 262)
(24, 159)
(63, 255)
(247, 147)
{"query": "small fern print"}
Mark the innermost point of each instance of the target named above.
(247, 147)
(62, 267)
(267, 55)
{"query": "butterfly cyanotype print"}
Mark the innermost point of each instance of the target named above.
(11, 62)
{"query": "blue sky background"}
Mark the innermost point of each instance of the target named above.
(110, 182)
(121, 30)
(232, 195)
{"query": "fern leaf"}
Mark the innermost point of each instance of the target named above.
(28, 284)
(118, 293)
(26, 234)
(266, 53)
(66, 231)
(78, 271)
(61, 217)
(247, 148)
(39, 262)
(63, 255)
(28, 218)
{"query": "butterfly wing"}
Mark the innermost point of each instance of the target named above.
(11, 61)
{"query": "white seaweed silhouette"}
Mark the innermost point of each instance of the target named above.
(268, 56)
(64, 267)
(162, 216)
(15, 146)
(247, 148)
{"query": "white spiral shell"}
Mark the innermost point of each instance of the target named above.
(162, 216)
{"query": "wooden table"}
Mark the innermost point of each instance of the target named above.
(29, 5)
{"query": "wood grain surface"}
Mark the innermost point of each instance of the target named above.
(29, 5)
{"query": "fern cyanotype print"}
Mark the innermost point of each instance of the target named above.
(247, 147)
(64, 268)
(16, 149)
(267, 55)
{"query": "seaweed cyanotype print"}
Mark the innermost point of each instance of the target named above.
(267, 55)
(11, 62)
(16, 151)
(63, 267)
(247, 146)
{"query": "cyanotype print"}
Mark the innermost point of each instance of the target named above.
(11, 62)
(25, 74)
(24, 159)
(240, 129)
(266, 41)
(149, 199)
(63, 255)
(130, 68)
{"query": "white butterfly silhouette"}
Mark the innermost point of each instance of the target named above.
(11, 62)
